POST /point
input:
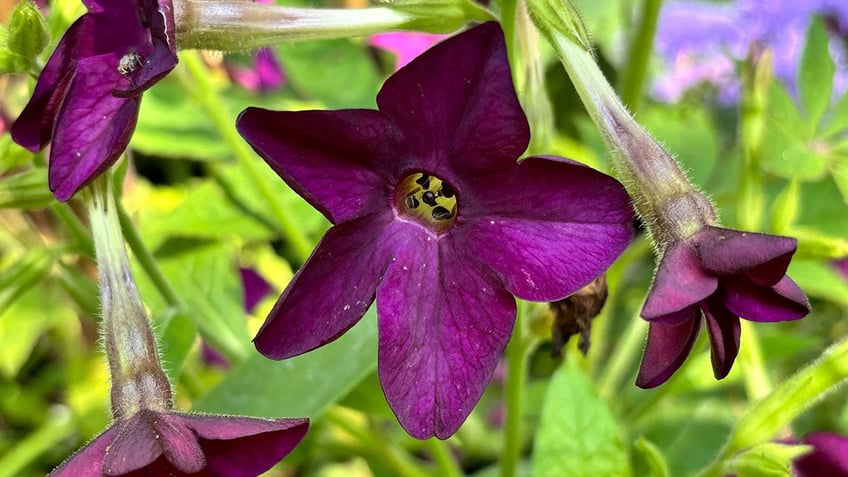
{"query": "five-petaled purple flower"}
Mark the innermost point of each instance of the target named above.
(717, 275)
(433, 215)
(87, 97)
(164, 444)
(829, 456)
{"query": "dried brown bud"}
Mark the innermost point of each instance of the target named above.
(573, 315)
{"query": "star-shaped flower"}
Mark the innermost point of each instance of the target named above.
(87, 97)
(434, 216)
(717, 275)
(164, 444)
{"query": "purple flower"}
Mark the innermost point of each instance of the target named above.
(164, 444)
(433, 215)
(87, 97)
(717, 275)
(700, 41)
(406, 46)
(263, 76)
(829, 456)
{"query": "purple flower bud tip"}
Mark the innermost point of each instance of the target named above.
(87, 97)
(171, 443)
(829, 456)
(717, 275)
(434, 216)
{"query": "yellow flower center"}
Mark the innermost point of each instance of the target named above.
(428, 200)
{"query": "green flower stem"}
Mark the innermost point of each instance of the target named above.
(146, 259)
(622, 359)
(635, 70)
(234, 26)
(758, 384)
(764, 419)
(517, 352)
(447, 465)
(75, 226)
(211, 102)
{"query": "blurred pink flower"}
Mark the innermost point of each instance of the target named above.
(405, 45)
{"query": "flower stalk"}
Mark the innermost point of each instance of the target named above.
(138, 381)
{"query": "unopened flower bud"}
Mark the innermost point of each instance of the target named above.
(27, 32)
(573, 315)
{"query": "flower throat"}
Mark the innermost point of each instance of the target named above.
(428, 200)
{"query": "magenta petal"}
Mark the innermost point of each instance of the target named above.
(135, 445)
(781, 302)
(724, 330)
(337, 160)
(444, 322)
(679, 283)
(92, 130)
(829, 456)
(331, 291)
(179, 444)
(456, 104)
(667, 349)
(243, 446)
(89, 459)
(764, 258)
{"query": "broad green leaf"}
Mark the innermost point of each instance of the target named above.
(838, 117)
(820, 279)
(204, 212)
(782, 108)
(787, 155)
(769, 459)
(301, 386)
(653, 456)
(339, 72)
(176, 332)
(171, 125)
(204, 276)
(577, 435)
(25, 190)
(815, 76)
(690, 134)
(823, 208)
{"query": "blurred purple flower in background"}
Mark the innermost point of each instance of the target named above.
(264, 75)
(701, 42)
(433, 215)
(829, 457)
(405, 45)
(163, 444)
(87, 97)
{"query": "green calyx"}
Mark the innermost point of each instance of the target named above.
(23, 39)
(439, 16)
(559, 16)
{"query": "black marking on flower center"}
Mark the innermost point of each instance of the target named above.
(428, 199)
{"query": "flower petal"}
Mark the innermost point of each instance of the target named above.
(93, 127)
(667, 349)
(331, 291)
(158, 47)
(135, 445)
(678, 284)
(724, 329)
(179, 443)
(456, 104)
(243, 446)
(89, 459)
(543, 261)
(829, 456)
(764, 258)
(444, 322)
(339, 161)
(781, 302)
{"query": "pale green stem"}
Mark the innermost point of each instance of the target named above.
(635, 71)
(211, 102)
(625, 353)
(757, 382)
(516, 376)
(447, 465)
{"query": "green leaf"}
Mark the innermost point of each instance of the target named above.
(205, 277)
(787, 155)
(815, 76)
(769, 459)
(840, 176)
(653, 456)
(27, 271)
(820, 279)
(838, 120)
(301, 386)
(12, 155)
(176, 332)
(578, 435)
(171, 125)
(339, 72)
(25, 190)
